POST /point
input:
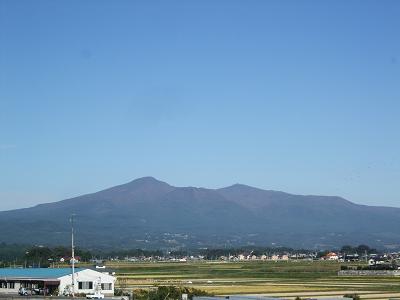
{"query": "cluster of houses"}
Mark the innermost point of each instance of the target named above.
(76, 260)
(238, 257)
(243, 257)
(373, 259)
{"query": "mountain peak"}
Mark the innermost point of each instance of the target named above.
(147, 182)
(241, 186)
(146, 179)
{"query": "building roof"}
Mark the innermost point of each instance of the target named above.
(37, 273)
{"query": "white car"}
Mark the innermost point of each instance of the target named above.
(95, 296)
(23, 292)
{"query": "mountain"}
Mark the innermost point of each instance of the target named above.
(147, 213)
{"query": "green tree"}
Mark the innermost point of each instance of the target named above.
(38, 256)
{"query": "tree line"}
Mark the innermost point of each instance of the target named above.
(28, 255)
(37, 256)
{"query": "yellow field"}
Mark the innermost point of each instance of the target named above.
(282, 279)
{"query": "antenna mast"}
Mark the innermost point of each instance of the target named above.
(73, 255)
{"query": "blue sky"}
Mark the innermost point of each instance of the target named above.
(299, 96)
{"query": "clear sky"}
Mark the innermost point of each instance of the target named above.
(299, 96)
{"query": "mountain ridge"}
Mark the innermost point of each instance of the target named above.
(149, 213)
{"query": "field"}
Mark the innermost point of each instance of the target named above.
(280, 279)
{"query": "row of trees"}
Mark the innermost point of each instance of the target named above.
(360, 250)
(37, 255)
(211, 254)
(130, 253)
(216, 253)
(11, 253)
(43, 256)
(46, 255)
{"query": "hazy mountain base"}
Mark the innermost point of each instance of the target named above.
(150, 214)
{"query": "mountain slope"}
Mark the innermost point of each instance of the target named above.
(148, 213)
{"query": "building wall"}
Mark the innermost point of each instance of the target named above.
(6, 289)
(87, 276)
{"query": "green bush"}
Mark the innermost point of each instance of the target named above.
(352, 296)
(167, 293)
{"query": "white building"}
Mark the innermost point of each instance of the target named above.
(53, 281)
(332, 256)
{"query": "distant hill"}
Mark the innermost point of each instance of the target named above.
(147, 213)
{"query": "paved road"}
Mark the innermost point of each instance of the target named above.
(14, 297)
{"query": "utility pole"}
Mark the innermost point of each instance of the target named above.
(73, 255)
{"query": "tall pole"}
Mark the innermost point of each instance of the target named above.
(73, 255)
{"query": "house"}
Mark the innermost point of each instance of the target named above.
(332, 256)
(241, 257)
(377, 260)
(55, 281)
